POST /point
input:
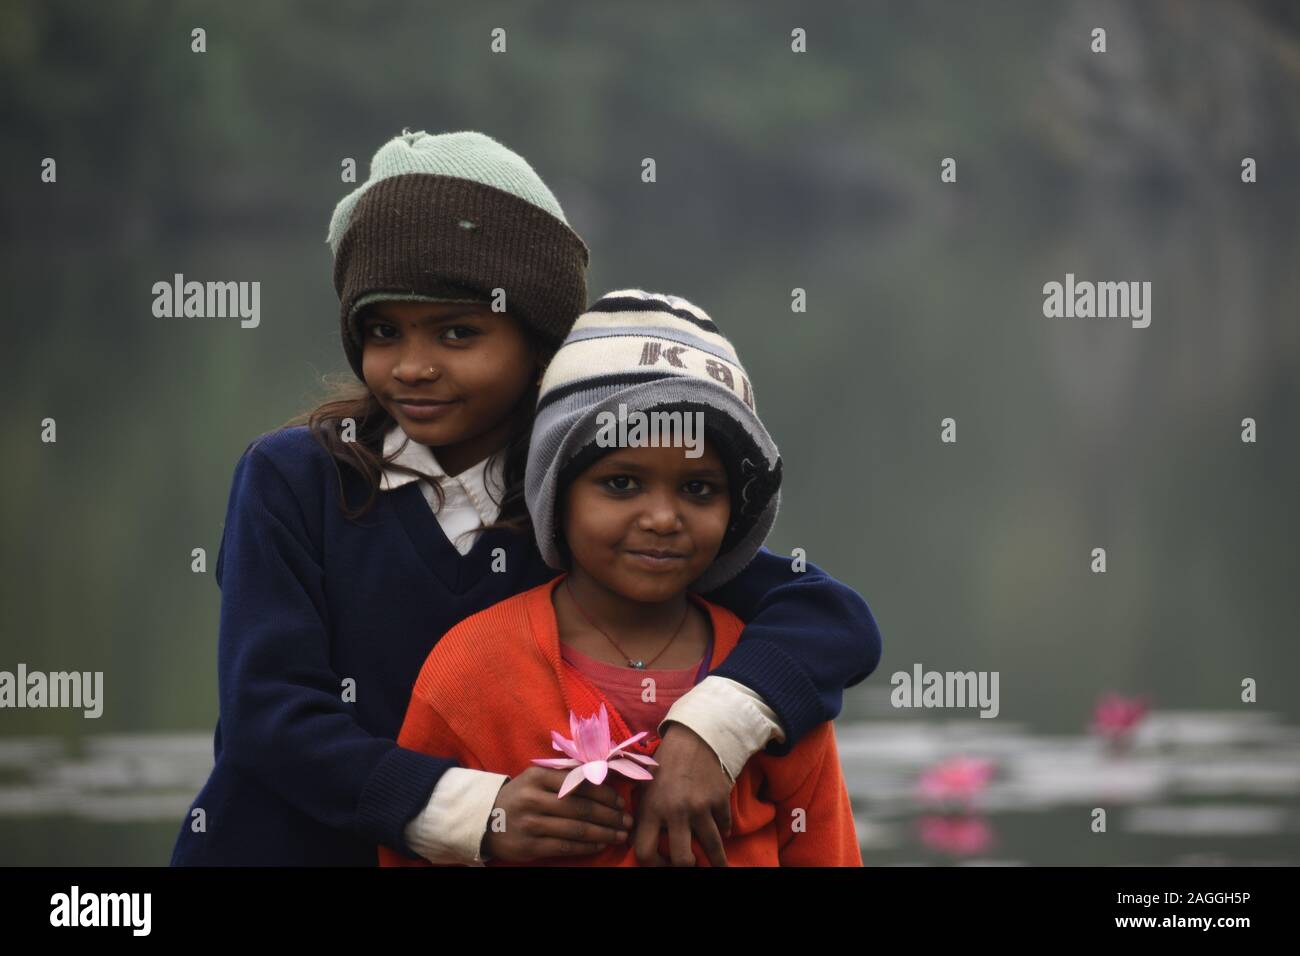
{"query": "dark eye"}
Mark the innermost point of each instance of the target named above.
(610, 482)
(703, 489)
(468, 332)
(374, 327)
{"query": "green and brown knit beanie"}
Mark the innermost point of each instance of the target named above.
(450, 218)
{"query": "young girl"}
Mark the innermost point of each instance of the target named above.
(352, 541)
(618, 636)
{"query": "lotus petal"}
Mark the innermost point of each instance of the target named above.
(564, 745)
(627, 743)
(648, 761)
(556, 763)
(629, 769)
(572, 780)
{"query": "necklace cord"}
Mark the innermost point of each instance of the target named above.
(631, 662)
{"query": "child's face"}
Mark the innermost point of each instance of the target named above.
(482, 363)
(635, 500)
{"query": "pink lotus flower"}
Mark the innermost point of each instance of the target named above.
(959, 778)
(1116, 717)
(591, 753)
(960, 836)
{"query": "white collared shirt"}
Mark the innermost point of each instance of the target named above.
(732, 719)
(471, 498)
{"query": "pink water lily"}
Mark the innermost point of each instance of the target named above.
(960, 836)
(959, 778)
(1115, 717)
(591, 753)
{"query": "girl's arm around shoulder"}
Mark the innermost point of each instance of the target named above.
(424, 730)
(283, 716)
(806, 638)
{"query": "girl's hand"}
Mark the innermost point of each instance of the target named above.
(539, 824)
(690, 794)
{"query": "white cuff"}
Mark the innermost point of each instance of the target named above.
(730, 717)
(449, 830)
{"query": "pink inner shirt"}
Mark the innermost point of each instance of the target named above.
(622, 686)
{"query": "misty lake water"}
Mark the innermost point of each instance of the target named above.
(1193, 788)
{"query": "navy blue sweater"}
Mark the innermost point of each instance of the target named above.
(305, 775)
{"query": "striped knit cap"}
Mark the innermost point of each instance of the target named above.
(449, 218)
(647, 351)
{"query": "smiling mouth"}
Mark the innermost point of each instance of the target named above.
(425, 410)
(657, 555)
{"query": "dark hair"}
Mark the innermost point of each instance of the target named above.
(354, 400)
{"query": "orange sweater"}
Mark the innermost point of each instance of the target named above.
(494, 687)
